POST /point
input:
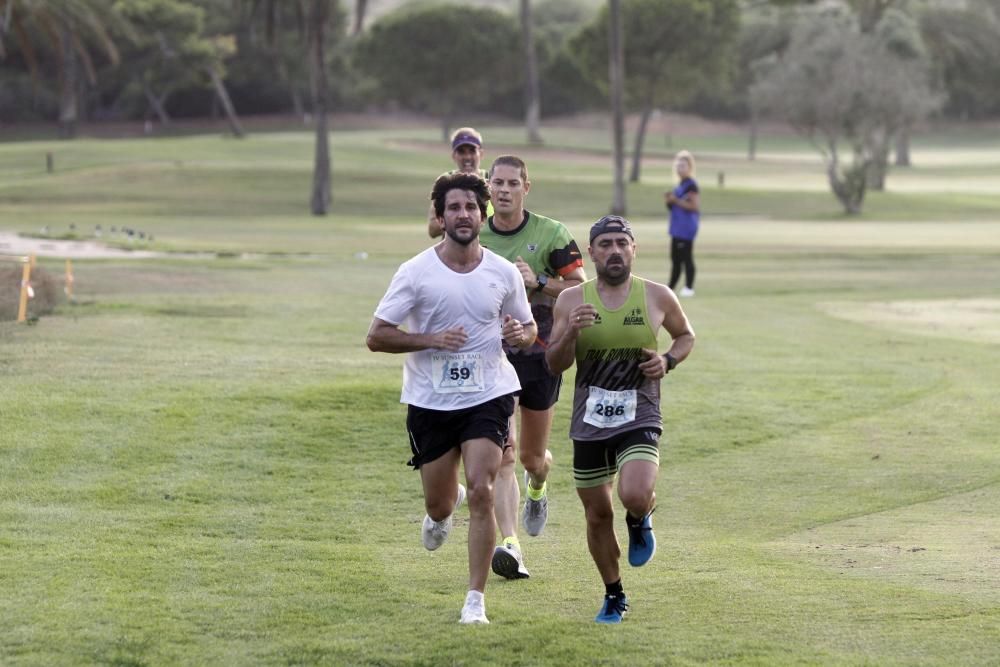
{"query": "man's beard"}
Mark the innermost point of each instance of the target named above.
(454, 237)
(616, 279)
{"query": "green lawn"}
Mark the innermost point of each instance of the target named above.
(201, 463)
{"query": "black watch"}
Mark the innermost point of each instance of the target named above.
(671, 362)
(542, 280)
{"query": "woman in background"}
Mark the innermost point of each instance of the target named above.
(684, 205)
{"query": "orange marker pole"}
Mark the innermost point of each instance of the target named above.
(22, 308)
(69, 279)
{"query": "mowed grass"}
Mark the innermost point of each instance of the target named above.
(201, 463)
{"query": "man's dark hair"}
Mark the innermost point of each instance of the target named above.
(459, 181)
(511, 161)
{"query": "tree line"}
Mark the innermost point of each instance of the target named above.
(853, 76)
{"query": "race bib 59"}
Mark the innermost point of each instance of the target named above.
(458, 372)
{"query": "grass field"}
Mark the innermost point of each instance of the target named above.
(201, 463)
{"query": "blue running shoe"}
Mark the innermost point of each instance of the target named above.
(641, 541)
(614, 609)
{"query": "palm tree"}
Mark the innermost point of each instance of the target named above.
(532, 93)
(322, 194)
(316, 29)
(616, 83)
(360, 8)
(72, 30)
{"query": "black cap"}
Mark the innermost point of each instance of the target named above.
(611, 223)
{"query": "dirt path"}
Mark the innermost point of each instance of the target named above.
(12, 244)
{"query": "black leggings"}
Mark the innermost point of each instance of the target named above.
(682, 256)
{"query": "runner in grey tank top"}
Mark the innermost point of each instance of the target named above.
(608, 327)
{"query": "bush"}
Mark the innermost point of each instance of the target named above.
(22, 99)
(46, 288)
(440, 60)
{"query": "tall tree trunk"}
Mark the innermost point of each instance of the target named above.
(82, 91)
(616, 78)
(875, 177)
(532, 92)
(156, 104)
(227, 104)
(360, 7)
(903, 148)
(68, 83)
(297, 107)
(878, 166)
(322, 189)
(640, 141)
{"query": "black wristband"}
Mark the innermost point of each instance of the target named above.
(671, 362)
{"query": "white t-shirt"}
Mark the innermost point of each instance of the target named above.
(426, 296)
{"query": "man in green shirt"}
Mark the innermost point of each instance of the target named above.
(549, 261)
(608, 327)
(467, 152)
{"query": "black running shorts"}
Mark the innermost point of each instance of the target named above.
(435, 432)
(595, 462)
(539, 387)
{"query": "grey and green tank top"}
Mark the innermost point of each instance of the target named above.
(611, 394)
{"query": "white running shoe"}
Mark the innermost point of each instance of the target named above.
(687, 291)
(474, 610)
(535, 512)
(434, 533)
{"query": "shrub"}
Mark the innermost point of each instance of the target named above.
(45, 285)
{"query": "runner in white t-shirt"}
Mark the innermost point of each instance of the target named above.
(457, 302)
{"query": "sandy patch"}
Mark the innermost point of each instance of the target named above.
(976, 320)
(947, 546)
(12, 244)
(743, 232)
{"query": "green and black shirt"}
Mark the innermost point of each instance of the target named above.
(547, 247)
(612, 395)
